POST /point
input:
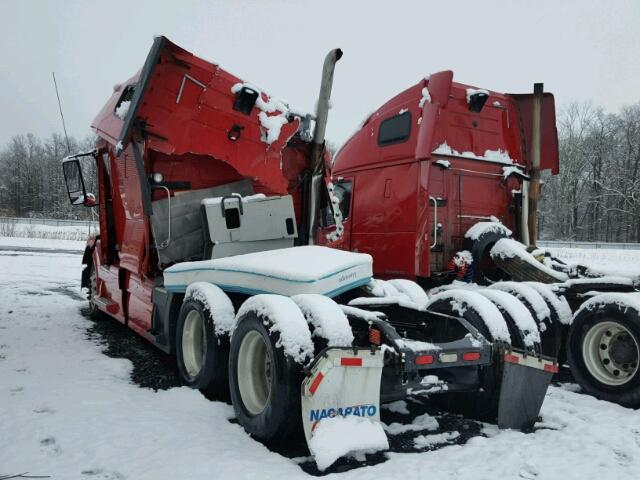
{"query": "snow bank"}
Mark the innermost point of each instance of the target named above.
(286, 319)
(328, 319)
(482, 227)
(508, 248)
(461, 300)
(558, 302)
(216, 302)
(496, 156)
(517, 311)
(340, 436)
(421, 422)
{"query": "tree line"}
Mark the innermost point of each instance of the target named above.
(596, 196)
(31, 178)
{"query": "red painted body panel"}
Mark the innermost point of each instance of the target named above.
(182, 129)
(393, 216)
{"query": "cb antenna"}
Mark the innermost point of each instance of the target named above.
(64, 127)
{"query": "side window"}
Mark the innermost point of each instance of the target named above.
(342, 190)
(396, 129)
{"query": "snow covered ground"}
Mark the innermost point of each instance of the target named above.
(69, 411)
(601, 260)
(42, 230)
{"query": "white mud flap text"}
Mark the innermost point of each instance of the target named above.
(343, 385)
(525, 379)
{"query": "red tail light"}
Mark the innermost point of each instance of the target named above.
(424, 359)
(471, 356)
(350, 362)
(375, 337)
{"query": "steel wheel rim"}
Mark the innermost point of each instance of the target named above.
(599, 353)
(194, 344)
(254, 372)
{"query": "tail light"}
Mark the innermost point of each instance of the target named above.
(424, 359)
(375, 336)
(471, 356)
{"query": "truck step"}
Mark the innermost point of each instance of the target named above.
(106, 304)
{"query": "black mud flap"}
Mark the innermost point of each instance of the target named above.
(525, 379)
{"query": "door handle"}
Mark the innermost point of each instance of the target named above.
(435, 220)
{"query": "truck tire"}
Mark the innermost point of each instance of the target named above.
(92, 292)
(556, 325)
(201, 355)
(327, 322)
(603, 350)
(514, 311)
(264, 383)
(485, 270)
(482, 404)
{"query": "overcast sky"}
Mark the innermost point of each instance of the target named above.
(582, 50)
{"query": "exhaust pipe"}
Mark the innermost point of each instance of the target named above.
(536, 147)
(317, 146)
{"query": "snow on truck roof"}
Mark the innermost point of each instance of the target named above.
(287, 271)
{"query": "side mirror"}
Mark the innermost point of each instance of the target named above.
(75, 184)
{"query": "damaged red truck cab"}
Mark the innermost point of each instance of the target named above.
(181, 124)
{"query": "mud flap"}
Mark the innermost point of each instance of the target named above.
(342, 383)
(525, 379)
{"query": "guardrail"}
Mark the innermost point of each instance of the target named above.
(588, 245)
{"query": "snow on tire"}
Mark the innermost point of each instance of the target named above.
(522, 327)
(552, 330)
(269, 344)
(327, 322)
(603, 347)
(487, 319)
(540, 311)
(201, 354)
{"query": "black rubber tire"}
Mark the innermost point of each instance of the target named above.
(627, 395)
(485, 271)
(93, 311)
(212, 380)
(281, 419)
(480, 405)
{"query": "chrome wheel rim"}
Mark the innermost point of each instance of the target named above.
(611, 353)
(254, 372)
(194, 343)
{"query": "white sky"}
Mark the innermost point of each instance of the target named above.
(581, 50)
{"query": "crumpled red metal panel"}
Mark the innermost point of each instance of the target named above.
(188, 108)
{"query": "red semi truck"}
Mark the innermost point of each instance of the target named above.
(439, 177)
(210, 196)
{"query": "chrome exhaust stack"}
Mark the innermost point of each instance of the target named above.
(317, 146)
